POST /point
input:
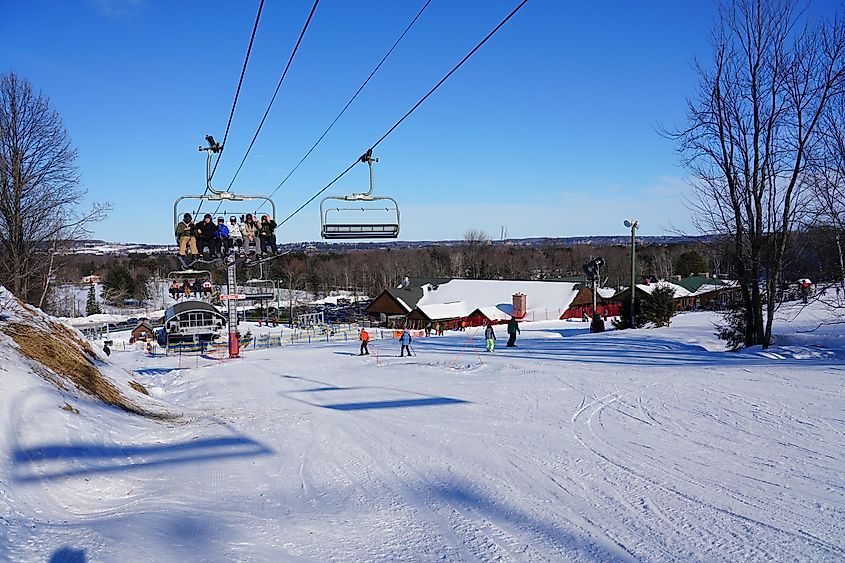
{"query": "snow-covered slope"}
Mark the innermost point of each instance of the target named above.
(622, 446)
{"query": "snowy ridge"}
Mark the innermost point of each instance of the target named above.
(16, 316)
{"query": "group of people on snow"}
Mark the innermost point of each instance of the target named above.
(249, 237)
(405, 337)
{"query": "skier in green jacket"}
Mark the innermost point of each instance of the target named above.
(513, 329)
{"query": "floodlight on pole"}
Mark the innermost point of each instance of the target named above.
(633, 225)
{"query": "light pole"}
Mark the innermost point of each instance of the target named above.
(633, 225)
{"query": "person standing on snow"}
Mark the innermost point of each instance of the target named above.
(365, 340)
(405, 341)
(513, 329)
(490, 336)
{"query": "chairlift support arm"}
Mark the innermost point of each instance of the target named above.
(222, 196)
(213, 148)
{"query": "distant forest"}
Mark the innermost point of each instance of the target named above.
(370, 271)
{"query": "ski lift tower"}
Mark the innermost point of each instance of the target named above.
(231, 272)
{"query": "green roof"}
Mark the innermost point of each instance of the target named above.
(693, 283)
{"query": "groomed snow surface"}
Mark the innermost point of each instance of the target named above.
(632, 446)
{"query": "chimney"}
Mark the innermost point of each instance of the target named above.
(520, 305)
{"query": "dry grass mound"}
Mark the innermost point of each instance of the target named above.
(58, 349)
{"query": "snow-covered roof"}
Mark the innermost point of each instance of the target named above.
(401, 302)
(495, 313)
(445, 310)
(710, 287)
(606, 292)
(459, 298)
(649, 288)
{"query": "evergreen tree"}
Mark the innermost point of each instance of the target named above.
(660, 307)
(623, 321)
(118, 285)
(691, 263)
(91, 306)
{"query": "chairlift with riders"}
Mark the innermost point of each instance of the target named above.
(191, 284)
(213, 195)
(347, 229)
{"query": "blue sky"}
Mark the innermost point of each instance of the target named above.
(549, 130)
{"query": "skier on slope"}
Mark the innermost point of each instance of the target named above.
(490, 336)
(405, 342)
(365, 340)
(513, 329)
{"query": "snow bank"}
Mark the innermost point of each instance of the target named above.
(38, 346)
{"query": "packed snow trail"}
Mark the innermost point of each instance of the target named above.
(630, 446)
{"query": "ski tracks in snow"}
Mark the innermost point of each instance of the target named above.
(675, 504)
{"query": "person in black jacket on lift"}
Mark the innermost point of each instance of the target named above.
(206, 233)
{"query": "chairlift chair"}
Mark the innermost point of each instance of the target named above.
(334, 229)
(191, 276)
(213, 194)
(182, 275)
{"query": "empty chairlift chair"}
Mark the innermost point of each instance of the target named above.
(352, 225)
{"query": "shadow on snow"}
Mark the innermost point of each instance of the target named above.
(401, 403)
(71, 460)
(418, 400)
(611, 348)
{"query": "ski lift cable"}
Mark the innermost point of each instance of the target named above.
(273, 99)
(237, 94)
(352, 99)
(409, 112)
(238, 90)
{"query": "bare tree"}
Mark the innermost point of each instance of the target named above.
(476, 242)
(751, 128)
(39, 190)
(828, 178)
